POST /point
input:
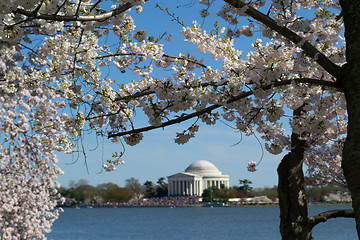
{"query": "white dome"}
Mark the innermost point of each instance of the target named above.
(202, 167)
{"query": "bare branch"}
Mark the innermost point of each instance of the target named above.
(323, 217)
(39, 6)
(215, 106)
(94, 6)
(32, 50)
(78, 8)
(59, 8)
(309, 49)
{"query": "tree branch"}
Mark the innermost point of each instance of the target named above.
(165, 124)
(164, 55)
(94, 6)
(323, 217)
(215, 106)
(309, 49)
(54, 17)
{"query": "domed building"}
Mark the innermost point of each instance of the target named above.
(197, 177)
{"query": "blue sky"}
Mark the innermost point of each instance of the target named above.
(157, 155)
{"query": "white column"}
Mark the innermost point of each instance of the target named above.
(191, 188)
(199, 187)
(177, 187)
(182, 187)
(187, 187)
(195, 187)
(174, 187)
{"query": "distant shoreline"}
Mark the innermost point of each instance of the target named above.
(89, 206)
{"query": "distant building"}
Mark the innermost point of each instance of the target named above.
(197, 177)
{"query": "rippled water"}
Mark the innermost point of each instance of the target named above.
(225, 223)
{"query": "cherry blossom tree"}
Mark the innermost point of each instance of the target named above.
(37, 83)
(54, 88)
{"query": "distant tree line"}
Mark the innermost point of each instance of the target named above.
(81, 192)
(244, 190)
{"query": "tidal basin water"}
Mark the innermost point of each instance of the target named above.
(222, 223)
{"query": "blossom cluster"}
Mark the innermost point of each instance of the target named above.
(41, 86)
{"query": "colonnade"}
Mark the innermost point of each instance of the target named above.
(193, 187)
(185, 187)
(217, 183)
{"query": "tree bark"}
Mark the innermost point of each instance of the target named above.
(294, 222)
(350, 83)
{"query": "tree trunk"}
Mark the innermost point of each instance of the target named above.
(294, 222)
(350, 83)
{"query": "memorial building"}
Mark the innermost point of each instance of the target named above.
(195, 179)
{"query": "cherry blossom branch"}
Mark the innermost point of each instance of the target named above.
(168, 123)
(309, 49)
(164, 55)
(324, 216)
(215, 106)
(135, 95)
(54, 17)
(279, 83)
(146, 92)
